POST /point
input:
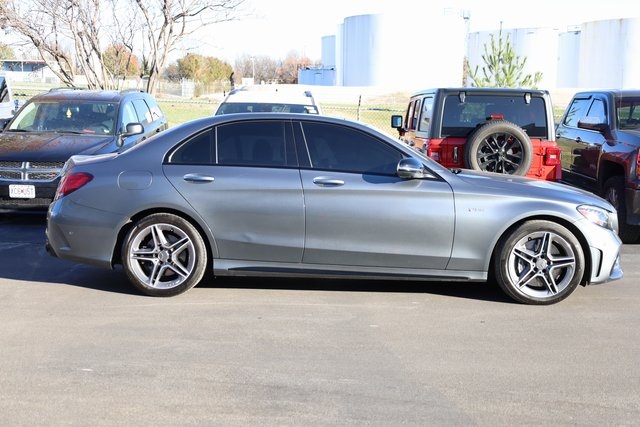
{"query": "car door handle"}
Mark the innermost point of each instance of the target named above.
(327, 182)
(194, 177)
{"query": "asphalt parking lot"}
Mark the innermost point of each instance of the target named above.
(80, 347)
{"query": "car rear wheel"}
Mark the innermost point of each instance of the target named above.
(540, 262)
(164, 255)
(613, 192)
(499, 146)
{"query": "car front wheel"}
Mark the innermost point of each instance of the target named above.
(540, 262)
(164, 255)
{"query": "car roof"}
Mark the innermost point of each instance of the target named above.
(482, 90)
(87, 95)
(269, 94)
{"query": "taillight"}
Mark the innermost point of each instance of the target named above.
(433, 152)
(638, 164)
(70, 183)
(552, 157)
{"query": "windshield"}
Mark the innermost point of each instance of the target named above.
(66, 116)
(628, 113)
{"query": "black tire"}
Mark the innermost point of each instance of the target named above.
(164, 255)
(539, 262)
(499, 146)
(613, 192)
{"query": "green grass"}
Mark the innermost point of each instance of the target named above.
(178, 112)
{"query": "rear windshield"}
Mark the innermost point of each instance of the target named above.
(253, 107)
(461, 118)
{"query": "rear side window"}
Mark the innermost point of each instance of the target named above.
(461, 118)
(255, 143)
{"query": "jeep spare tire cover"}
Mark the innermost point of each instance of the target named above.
(499, 146)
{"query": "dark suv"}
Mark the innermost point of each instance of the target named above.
(501, 130)
(53, 126)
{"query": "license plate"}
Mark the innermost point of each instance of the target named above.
(22, 191)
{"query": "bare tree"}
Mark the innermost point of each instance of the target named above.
(70, 35)
(168, 21)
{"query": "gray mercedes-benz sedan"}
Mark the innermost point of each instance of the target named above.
(313, 196)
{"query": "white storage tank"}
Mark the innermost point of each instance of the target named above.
(568, 59)
(386, 51)
(608, 54)
(328, 54)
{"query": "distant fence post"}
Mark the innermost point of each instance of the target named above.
(359, 104)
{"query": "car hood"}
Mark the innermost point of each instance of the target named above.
(51, 147)
(518, 186)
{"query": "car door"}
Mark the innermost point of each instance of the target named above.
(243, 180)
(359, 212)
(581, 147)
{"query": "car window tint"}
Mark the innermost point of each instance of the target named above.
(142, 110)
(412, 115)
(129, 114)
(333, 147)
(253, 143)
(196, 150)
(156, 112)
(427, 114)
(459, 119)
(597, 111)
(628, 112)
(577, 110)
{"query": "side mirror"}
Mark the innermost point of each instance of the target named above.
(396, 121)
(133, 129)
(411, 168)
(593, 123)
(129, 130)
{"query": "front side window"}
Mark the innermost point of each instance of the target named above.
(577, 110)
(414, 110)
(597, 111)
(142, 110)
(334, 147)
(427, 114)
(129, 114)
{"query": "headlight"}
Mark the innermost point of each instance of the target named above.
(598, 216)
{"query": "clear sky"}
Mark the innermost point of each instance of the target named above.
(276, 27)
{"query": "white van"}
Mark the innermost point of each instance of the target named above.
(8, 106)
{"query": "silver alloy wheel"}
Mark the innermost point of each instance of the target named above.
(541, 264)
(162, 256)
(501, 153)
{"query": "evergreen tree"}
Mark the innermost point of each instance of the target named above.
(503, 68)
